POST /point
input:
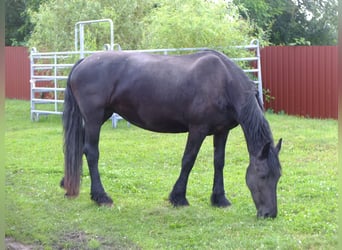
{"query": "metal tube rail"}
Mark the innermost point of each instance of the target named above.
(81, 31)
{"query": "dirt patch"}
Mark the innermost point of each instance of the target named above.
(72, 240)
(82, 240)
(75, 240)
(11, 244)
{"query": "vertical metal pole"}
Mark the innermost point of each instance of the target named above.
(259, 74)
(82, 40)
(55, 82)
(255, 43)
(33, 50)
(111, 34)
(76, 37)
(79, 27)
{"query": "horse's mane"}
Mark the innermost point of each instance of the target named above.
(255, 126)
(251, 117)
(257, 130)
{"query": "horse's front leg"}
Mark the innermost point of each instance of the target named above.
(91, 150)
(195, 139)
(218, 197)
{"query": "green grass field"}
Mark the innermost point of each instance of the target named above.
(139, 169)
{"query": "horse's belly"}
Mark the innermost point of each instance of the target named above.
(154, 120)
(159, 125)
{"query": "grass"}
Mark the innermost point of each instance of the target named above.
(139, 169)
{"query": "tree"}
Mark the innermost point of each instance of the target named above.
(14, 21)
(293, 22)
(194, 23)
(55, 19)
(139, 24)
(321, 21)
(18, 23)
(261, 13)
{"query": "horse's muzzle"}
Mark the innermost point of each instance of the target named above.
(265, 213)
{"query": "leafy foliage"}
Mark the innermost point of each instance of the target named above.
(18, 23)
(195, 23)
(54, 23)
(289, 22)
(140, 24)
(42, 23)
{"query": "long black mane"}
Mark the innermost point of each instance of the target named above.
(257, 131)
(254, 124)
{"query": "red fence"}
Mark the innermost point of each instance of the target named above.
(17, 73)
(302, 79)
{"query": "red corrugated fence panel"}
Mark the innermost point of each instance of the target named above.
(302, 79)
(17, 73)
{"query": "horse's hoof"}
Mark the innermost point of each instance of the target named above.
(66, 195)
(106, 204)
(178, 201)
(219, 200)
(61, 184)
(102, 199)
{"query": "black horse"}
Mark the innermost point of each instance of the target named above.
(202, 94)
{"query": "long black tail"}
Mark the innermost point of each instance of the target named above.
(73, 141)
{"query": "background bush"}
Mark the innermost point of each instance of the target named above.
(139, 24)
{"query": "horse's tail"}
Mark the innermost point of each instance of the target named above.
(73, 141)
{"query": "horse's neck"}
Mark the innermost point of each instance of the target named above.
(257, 132)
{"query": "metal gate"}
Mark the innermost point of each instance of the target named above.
(49, 73)
(49, 70)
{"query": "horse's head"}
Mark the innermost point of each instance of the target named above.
(262, 176)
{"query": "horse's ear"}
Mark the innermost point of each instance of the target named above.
(278, 147)
(265, 151)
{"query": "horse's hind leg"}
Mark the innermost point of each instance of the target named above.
(194, 142)
(218, 196)
(91, 150)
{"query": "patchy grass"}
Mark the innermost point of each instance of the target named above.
(139, 169)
